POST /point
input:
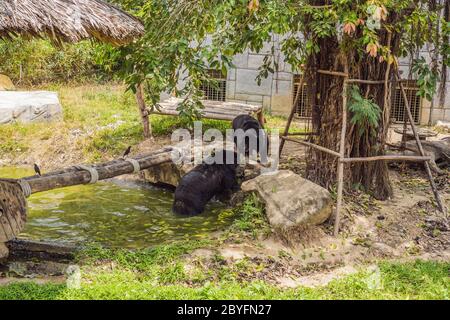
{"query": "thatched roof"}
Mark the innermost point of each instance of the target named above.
(68, 20)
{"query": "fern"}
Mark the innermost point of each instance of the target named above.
(366, 113)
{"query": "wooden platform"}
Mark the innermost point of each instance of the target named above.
(219, 110)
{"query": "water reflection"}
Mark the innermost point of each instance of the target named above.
(113, 214)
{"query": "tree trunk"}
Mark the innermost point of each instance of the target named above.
(325, 93)
(143, 111)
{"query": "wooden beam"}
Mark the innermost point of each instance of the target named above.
(333, 73)
(439, 203)
(27, 248)
(312, 145)
(387, 158)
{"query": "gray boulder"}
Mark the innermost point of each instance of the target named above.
(291, 201)
(29, 106)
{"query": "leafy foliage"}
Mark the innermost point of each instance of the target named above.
(184, 38)
(426, 78)
(38, 61)
(366, 113)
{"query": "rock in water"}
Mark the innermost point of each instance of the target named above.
(6, 83)
(291, 201)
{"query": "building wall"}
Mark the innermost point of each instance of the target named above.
(275, 92)
(440, 112)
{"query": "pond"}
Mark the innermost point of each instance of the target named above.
(114, 213)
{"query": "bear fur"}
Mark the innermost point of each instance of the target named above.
(203, 183)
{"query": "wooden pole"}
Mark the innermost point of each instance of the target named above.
(340, 169)
(419, 146)
(291, 115)
(314, 146)
(143, 111)
(333, 73)
(388, 158)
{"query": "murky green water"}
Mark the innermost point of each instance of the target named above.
(116, 214)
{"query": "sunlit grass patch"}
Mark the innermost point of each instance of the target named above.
(412, 280)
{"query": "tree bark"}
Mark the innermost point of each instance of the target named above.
(325, 93)
(143, 111)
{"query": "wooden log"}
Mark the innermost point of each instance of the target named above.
(109, 163)
(23, 248)
(302, 134)
(109, 170)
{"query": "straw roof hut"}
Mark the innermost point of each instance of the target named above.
(68, 21)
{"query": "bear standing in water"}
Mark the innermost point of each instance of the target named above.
(204, 182)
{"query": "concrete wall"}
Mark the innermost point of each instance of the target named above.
(440, 112)
(275, 92)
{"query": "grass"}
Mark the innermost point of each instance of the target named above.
(412, 280)
(173, 272)
(104, 119)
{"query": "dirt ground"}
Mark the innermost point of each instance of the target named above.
(408, 226)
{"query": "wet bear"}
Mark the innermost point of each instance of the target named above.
(253, 131)
(204, 182)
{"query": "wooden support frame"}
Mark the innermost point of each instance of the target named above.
(340, 167)
(140, 100)
(439, 203)
(341, 154)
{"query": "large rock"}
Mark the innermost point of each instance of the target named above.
(291, 201)
(6, 83)
(29, 106)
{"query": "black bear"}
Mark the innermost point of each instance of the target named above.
(204, 182)
(253, 130)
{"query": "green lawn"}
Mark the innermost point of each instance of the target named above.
(415, 280)
(107, 118)
(166, 272)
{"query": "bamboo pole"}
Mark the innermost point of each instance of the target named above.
(340, 169)
(302, 134)
(333, 73)
(291, 115)
(387, 158)
(73, 176)
(314, 146)
(419, 145)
